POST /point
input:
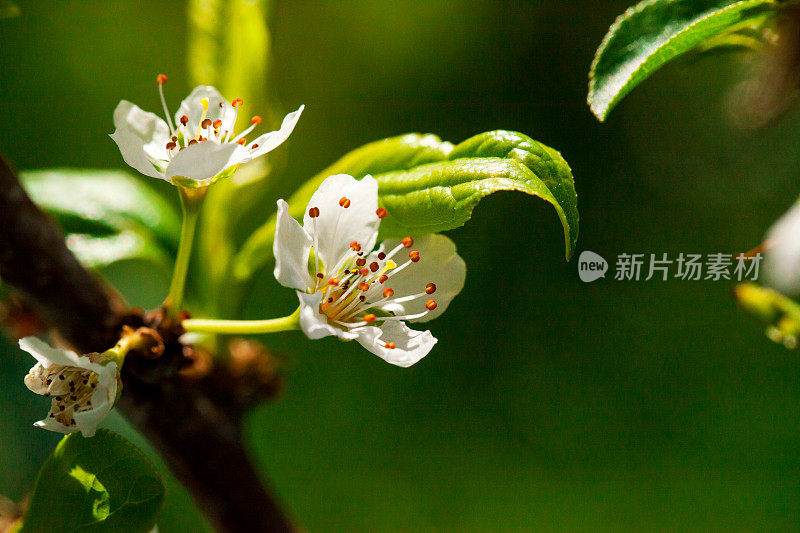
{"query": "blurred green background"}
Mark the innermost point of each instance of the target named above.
(549, 404)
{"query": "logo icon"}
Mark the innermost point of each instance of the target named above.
(591, 266)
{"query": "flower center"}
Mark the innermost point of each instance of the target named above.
(356, 288)
(208, 130)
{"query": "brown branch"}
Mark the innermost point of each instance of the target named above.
(194, 422)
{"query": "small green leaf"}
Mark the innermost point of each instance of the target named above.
(428, 186)
(100, 484)
(780, 314)
(102, 202)
(653, 32)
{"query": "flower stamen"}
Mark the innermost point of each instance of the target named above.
(161, 79)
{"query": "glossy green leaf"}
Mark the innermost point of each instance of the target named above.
(441, 196)
(427, 185)
(103, 202)
(653, 32)
(100, 484)
(779, 313)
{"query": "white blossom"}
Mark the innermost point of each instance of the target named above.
(349, 288)
(82, 388)
(782, 261)
(200, 146)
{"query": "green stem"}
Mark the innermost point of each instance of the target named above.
(191, 202)
(243, 327)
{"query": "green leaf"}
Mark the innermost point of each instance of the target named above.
(109, 216)
(99, 252)
(780, 314)
(653, 32)
(427, 185)
(98, 484)
(441, 196)
(102, 202)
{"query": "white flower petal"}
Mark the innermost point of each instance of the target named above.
(141, 137)
(291, 249)
(51, 424)
(410, 345)
(193, 109)
(315, 324)
(782, 264)
(204, 160)
(47, 356)
(439, 263)
(103, 399)
(336, 227)
(269, 141)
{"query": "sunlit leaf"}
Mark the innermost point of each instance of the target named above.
(100, 484)
(102, 251)
(428, 186)
(102, 202)
(654, 32)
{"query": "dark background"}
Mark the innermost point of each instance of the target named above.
(548, 403)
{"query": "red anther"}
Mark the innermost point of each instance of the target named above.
(364, 271)
(383, 278)
(184, 120)
(369, 317)
(242, 141)
(255, 120)
(344, 202)
(161, 79)
(355, 246)
(206, 123)
(390, 345)
(430, 288)
(181, 148)
(388, 293)
(381, 212)
(201, 139)
(373, 266)
(217, 123)
(237, 102)
(171, 145)
(320, 275)
(430, 305)
(313, 212)
(361, 262)
(381, 256)
(362, 298)
(333, 281)
(254, 146)
(193, 141)
(174, 138)
(408, 242)
(363, 286)
(414, 256)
